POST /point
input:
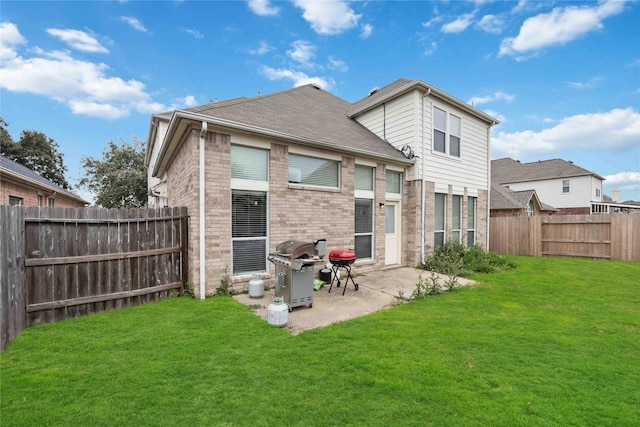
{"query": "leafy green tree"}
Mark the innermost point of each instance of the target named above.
(119, 180)
(36, 151)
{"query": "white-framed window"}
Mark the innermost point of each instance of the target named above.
(364, 229)
(456, 219)
(314, 171)
(566, 186)
(471, 221)
(393, 182)
(439, 228)
(15, 201)
(52, 202)
(40, 200)
(249, 209)
(364, 199)
(529, 209)
(447, 132)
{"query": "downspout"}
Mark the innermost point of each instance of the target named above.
(203, 133)
(423, 201)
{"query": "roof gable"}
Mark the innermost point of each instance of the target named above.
(505, 198)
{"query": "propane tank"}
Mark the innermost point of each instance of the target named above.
(278, 312)
(256, 287)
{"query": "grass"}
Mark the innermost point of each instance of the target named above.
(555, 342)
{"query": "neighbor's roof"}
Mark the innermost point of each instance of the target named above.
(505, 198)
(507, 170)
(23, 173)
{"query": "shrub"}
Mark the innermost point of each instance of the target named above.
(454, 259)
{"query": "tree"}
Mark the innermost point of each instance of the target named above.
(119, 180)
(36, 151)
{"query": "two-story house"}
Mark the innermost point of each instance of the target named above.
(391, 176)
(558, 183)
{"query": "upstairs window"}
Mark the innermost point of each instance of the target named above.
(313, 171)
(447, 132)
(565, 186)
(529, 209)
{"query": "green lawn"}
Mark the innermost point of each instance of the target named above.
(555, 342)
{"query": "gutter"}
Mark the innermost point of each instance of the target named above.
(201, 189)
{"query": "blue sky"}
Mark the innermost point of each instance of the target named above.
(562, 76)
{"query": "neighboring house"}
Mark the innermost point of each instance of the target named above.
(507, 202)
(558, 183)
(391, 176)
(20, 185)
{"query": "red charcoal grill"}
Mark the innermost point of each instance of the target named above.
(342, 259)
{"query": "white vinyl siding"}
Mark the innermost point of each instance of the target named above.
(550, 191)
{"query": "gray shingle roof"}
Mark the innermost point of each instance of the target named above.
(9, 165)
(507, 170)
(505, 198)
(305, 112)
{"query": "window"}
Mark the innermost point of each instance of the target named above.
(249, 231)
(364, 194)
(364, 178)
(364, 228)
(313, 171)
(456, 220)
(565, 186)
(40, 200)
(15, 201)
(440, 215)
(446, 139)
(51, 202)
(393, 182)
(249, 172)
(597, 192)
(529, 209)
(471, 221)
(249, 163)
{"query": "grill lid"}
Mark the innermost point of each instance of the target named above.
(296, 249)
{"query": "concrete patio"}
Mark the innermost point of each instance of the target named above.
(376, 291)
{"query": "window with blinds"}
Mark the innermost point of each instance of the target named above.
(456, 219)
(249, 231)
(249, 209)
(471, 222)
(393, 182)
(440, 215)
(364, 228)
(314, 171)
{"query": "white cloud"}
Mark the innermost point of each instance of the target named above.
(195, 33)
(558, 27)
(10, 39)
(78, 40)
(298, 78)
(366, 31)
(432, 21)
(336, 64)
(618, 129)
(431, 49)
(262, 48)
(263, 8)
(135, 23)
(497, 96)
(85, 87)
(328, 17)
(459, 25)
(591, 83)
(186, 102)
(302, 52)
(623, 178)
(491, 24)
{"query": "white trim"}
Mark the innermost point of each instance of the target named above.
(303, 151)
(252, 141)
(368, 163)
(364, 194)
(249, 185)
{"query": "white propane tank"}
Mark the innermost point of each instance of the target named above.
(278, 312)
(256, 287)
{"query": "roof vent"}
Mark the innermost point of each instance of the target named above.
(316, 85)
(374, 90)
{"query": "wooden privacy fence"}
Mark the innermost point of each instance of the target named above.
(63, 263)
(612, 236)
